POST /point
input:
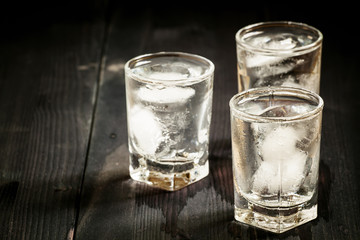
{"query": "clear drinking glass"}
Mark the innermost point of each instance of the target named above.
(276, 135)
(169, 103)
(279, 54)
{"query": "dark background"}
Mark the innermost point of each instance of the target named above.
(63, 153)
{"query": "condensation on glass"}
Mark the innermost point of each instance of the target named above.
(279, 53)
(276, 135)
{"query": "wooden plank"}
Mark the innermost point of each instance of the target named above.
(113, 206)
(108, 194)
(48, 81)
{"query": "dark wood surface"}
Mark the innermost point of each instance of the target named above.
(63, 135)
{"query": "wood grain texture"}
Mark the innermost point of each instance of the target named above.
(63, 135)
(47, 88)
(121, 208)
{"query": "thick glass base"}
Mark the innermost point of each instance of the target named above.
(274, 219)
(170, 176)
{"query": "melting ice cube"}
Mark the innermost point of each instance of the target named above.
(146, 130)
(280, 143)
(165, 95)
(274, 41)
(263, 66)
(182, 73)
(266, 179)
(277, 40)
(283, 163)
(262, 60)
(169, 69)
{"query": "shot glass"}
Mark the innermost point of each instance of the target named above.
(276, 135)
(169, 106)
(279, 53)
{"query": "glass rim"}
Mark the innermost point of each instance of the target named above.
(275, 91)
(190, 80)
(299, 50)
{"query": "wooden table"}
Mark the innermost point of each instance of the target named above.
(63, 134)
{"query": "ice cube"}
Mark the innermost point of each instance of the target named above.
(309, 81)
(292, 172)
(283, 163)
(286, 177)
(168, 76)
(253, 107)
(280, 143)
(165, 95)
(262, 60)
(281, 42)
(275, 41)
(168, 69)
(262, 66)
(146, 130)
(266, 179)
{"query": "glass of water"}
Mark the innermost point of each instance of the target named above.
(279, 54)
(275, 135)
(169, 103)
